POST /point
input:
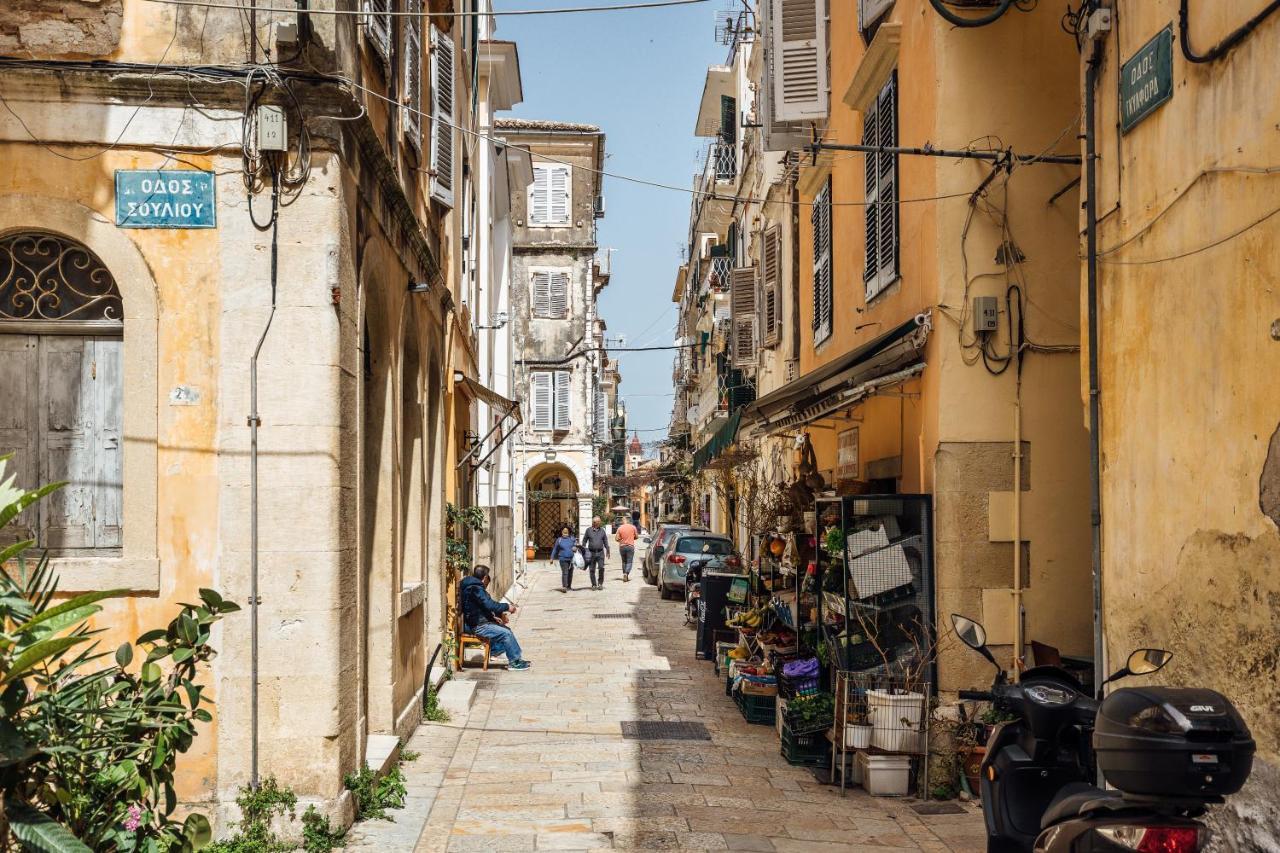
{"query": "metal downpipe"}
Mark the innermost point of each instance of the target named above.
(1095, 402)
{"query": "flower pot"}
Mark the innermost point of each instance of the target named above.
(857, 736)
(972, 768)
(895, 720)
(530, 553)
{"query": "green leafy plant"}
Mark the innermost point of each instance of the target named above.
(805, 713)
(258, 807)
(374, 795)
(87, 750)
(461, 523)
(431, 710)
(408, 756)
(318, 836)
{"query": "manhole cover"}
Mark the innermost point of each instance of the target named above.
(937, 808)
(664, 730)
(612, 615)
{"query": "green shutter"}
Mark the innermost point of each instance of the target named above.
(728, 118)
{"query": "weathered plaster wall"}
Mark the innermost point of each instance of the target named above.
(1188, 358)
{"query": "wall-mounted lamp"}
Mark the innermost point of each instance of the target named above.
(419, 286)
(458, 377)
(498, 321)
(470, 439)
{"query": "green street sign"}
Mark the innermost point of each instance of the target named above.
(1146, 80)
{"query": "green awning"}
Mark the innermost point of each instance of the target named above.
(720, 440)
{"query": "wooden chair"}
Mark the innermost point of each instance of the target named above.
(466, 640)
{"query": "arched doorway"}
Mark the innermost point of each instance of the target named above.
(552, 500)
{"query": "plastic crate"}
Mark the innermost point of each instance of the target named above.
(760, 710)
(805, 750)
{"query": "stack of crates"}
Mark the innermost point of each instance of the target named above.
(806, 750)
(757, 709)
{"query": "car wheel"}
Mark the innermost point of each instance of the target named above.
(663, 591)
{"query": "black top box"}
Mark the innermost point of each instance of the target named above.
(1182, 742)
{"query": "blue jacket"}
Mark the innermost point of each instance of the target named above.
(478, 607)
(563, 549)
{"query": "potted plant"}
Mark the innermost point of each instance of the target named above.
(857, 732)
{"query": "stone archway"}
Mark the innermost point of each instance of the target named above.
(552, 500)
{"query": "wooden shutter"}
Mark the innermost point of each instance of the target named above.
(558, 295)
(775, 135)
(728, 119)
(542, 294)
(799, 44)
(602, 420)
(821, 220)
(108, 499)
(20, 384)
(378, 27)
(412, 112)
(539, 196)
(442, 113)
(543, 403)
(563, 410)
(880, 127)
(558, 192)
(770, 285)
(67, 440)
(742, 306)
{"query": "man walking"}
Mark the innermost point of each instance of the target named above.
(627, 547)
(596, 540)
(484, 617)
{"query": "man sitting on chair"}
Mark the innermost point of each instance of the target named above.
(484, 617)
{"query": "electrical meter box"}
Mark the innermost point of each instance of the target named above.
(272, 135)
(986, 314)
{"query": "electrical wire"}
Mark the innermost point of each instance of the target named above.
(205, 4)
(1228, 238)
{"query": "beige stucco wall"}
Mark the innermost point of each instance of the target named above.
(1189, 356)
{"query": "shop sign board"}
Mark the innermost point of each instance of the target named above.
(169, 198)
(1146, 80)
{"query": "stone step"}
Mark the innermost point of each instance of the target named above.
(381, 752)
(456, 696)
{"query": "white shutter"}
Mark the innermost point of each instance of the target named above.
(378, 26)
(602, 419)
(108, 499)
(742, 305)
(770, 285)
(558, 295)
(559, 195)
(67, 441)
(563, 380)
(775, 135)
(881, 128)
(442, 113)
(542, 294)
(821, 220)
(543, 406)
(539, 197)
(871, 11)
(799, 44)
(412, 112)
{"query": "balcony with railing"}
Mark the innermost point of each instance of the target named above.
(716, 274)
(716, 188)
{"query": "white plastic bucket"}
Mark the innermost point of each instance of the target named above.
(895, 720)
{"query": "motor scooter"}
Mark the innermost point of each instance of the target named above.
(1169, 751)
(693, 591)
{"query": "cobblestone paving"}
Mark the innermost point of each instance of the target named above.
(540, 763)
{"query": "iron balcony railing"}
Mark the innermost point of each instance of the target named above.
(718, 270)
(722, 161)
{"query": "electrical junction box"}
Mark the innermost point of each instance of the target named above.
(986, 314)
(272, 133)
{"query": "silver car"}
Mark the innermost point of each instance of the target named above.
(690, 545)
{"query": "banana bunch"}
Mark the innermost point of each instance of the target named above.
(747, 619)
(741, 652)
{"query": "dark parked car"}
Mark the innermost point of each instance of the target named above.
(713, 548)
(657, 544)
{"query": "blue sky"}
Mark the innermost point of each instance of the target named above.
(638, 75)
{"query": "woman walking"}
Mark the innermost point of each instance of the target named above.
(563, 551)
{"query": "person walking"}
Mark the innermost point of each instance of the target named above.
(562, 550)
(595, 539)
(627, 547)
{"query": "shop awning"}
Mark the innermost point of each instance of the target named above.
(493, 398)
(509, 409)
(720, 440)
(838, 384)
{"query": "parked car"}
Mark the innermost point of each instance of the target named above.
(714, 549)
(657, 544)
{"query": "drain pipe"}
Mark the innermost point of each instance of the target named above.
(1095, 402)
(255, 421)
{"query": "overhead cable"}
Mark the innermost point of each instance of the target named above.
(1225, 46)
(205, 4)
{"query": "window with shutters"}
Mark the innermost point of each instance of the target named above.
(549, 196)
(870, 13)
(442, 116)
(412, 88)
(742, 316)
(549, 406)
(770, 287)
(798, 64)
(378, 27)
(550, 293)
(880, 127)
(61, 363)
(820, 217)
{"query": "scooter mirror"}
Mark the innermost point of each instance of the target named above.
(971, 633)
(1147, 661)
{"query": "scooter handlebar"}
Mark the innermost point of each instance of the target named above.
(979, 695)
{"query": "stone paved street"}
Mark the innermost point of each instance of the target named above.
(540, 762)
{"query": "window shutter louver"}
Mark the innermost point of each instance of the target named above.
(728, 119)
(559, 189)
(799, 42)
(881, 128)
(539, 196)
(378, 26)
(742, 306)
(558, 295)
(549, 196)
(775, 136)
(412, 114)
(770, 285)
(821, 220)
(542, 294)
(543, 404)
(442, 121)
(602, 424)
(562, 388)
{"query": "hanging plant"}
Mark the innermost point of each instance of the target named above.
(460, 524)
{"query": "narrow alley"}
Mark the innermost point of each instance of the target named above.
(541, 761)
